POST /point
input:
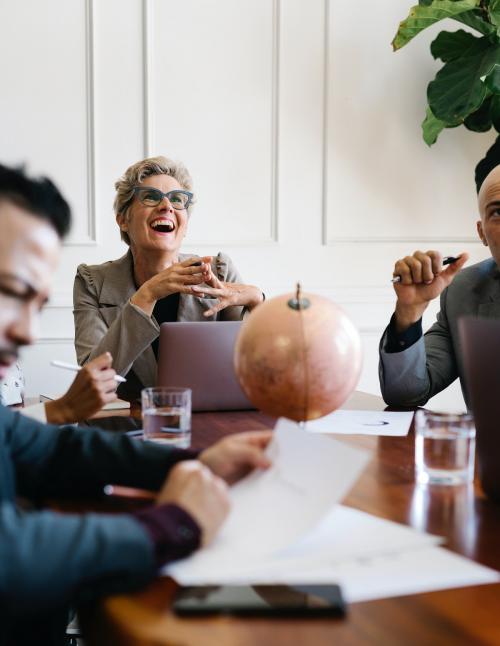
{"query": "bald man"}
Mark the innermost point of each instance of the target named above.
(414, 367)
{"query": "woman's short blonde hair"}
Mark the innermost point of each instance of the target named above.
(136, 173)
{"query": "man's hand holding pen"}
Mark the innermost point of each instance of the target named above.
(422, 279)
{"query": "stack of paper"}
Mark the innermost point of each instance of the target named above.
(286, 526)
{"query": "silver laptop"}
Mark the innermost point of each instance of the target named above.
(480, 340)
(199, 355)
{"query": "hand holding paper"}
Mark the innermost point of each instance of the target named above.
(271, 509)
(235, 456)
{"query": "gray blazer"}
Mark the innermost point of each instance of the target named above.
(411, 377)
(106, 320)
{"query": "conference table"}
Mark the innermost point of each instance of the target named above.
(387, 488)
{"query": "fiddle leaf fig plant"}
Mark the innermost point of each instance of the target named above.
(466, 90)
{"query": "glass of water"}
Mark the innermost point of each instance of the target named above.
(444, 448)
(166, 415)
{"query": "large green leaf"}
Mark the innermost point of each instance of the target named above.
(474, 19)
(492, 80)
(451, 44)
(431, 128)
(494, 13)
(480, 120)
(458, 90)
(422, 16)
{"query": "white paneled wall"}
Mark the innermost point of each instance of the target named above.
(298, 123)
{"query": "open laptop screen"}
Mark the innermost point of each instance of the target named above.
(199, 355)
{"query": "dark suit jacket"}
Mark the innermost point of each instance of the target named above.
(47, 559)
(411, 377)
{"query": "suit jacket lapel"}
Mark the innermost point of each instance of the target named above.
(489, 307)
(118, 284)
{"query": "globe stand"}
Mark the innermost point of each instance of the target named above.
(298, 303)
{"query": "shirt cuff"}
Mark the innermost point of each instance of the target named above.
(397, 342)
(173, 532)
(36, 411)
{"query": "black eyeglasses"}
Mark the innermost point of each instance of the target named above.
(153, 196)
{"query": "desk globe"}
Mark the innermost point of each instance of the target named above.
(298, 356)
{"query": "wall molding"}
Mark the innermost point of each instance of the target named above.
(227, 244)
(59, 340)
(91, 240)
(60, 300)
(275, 122)
(404, 239)
(147, 66)
(368, 308)
(149, 115)
(374, 295)
(326, 239)
(326, 122)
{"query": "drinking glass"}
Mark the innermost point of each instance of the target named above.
(166, 415)
(444, 448)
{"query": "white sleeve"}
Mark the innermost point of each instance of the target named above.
(36, 411)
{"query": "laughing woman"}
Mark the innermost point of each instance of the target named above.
(119, 305)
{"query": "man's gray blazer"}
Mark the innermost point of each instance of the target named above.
(106, 320)
(413, 376)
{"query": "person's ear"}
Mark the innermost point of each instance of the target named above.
(122, 221)
(480, 233)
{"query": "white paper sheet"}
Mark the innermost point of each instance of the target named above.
(363, 422)
(345, 534)
(410, 571)
(370, 558)
(272, 509)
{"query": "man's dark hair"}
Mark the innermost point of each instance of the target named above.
(38, 196)
(486, 165)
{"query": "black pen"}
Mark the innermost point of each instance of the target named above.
(447, 260)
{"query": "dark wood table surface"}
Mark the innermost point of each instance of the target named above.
(466, 616)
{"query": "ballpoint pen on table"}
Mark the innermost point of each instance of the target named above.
(75, 368)
(447, 260)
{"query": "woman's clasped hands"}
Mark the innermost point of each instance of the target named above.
(227, 294)
(195, 276)
(180, 277)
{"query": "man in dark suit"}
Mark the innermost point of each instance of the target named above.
(50, 560)
(415, 367)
